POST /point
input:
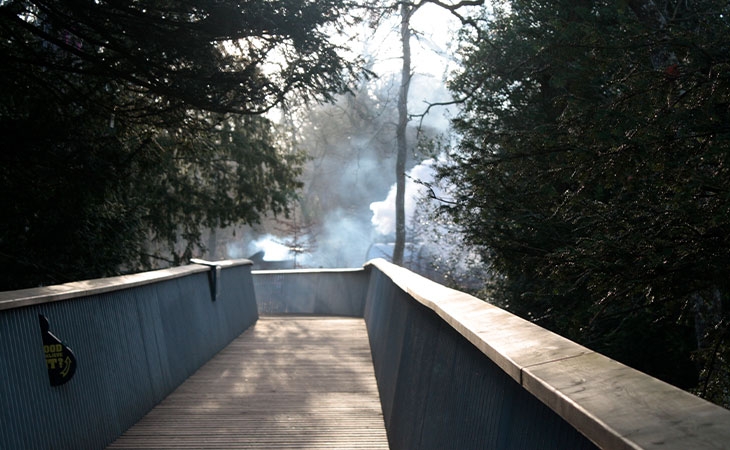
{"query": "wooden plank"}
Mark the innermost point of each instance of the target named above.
(287, 382)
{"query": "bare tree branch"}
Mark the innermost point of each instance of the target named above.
(454, 9)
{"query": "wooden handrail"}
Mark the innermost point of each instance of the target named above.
(613, 405)
(48, 294)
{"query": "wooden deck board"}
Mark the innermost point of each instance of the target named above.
(287, 382)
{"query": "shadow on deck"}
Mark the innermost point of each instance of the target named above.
(287, 382)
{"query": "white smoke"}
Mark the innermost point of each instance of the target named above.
(384, 211)
(343, 242)
(435, 246)
(273, 249)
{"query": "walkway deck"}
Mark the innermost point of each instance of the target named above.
(287, 382)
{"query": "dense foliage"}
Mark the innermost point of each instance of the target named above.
(130, 123)
(596, 181)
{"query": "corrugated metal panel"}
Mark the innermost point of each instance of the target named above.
(333, 292)
(385, 318)
(439, 391)
(133, 347)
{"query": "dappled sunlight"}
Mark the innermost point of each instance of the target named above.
(308, 380)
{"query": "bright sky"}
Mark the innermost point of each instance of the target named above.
(435, 31)
(431, 44)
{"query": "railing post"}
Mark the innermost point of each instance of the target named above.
(214, 276)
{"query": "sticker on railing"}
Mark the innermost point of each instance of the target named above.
(60, 360)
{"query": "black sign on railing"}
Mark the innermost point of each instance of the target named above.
(60, 360)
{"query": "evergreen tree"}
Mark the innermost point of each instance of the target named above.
(125, 122)
(594, 178)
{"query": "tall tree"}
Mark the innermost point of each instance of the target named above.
(406, 10)
(591, 175)
(130, 121)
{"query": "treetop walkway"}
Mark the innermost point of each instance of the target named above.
(286, 382)
(213, 355)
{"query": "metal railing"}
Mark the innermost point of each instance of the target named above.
(135, 339)
(333, 292)
(457, 372)
(453, 371)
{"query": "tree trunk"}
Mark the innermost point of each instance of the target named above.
(402, 143)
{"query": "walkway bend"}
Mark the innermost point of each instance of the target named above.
(287, 382)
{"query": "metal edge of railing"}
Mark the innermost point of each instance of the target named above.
(320, 291)
(47, 294)
(304, 271)
(613, 405)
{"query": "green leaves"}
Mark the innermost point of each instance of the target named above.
(223, 66)
(130, 126)
(597, 183)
